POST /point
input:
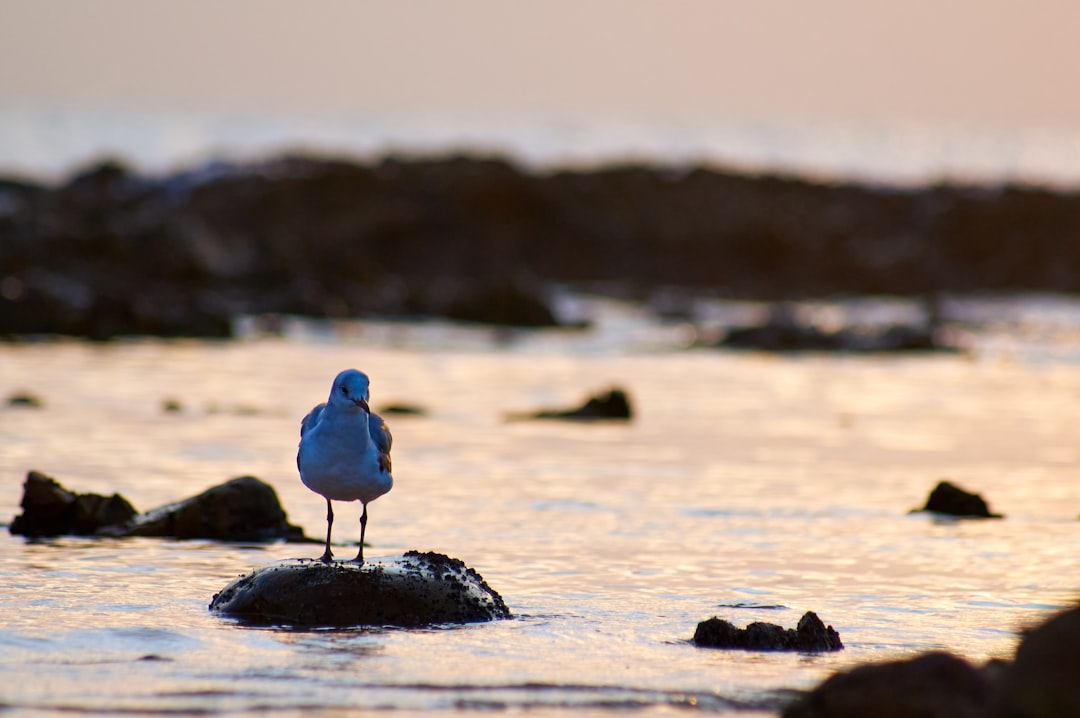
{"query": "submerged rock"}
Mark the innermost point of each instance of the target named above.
(948, 498)
(933, 685)
(613, 404)
(811, 635)
(51, 510)
(26, 399)
(417, 589)
(242, 509)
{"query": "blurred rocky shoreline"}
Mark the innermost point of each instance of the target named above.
(110, 252)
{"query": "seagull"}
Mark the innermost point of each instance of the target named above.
(344, 451)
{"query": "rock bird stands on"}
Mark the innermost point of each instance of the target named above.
(345, 451)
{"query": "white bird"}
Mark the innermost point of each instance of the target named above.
(344, 452)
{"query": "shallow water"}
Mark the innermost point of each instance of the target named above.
(750, 487)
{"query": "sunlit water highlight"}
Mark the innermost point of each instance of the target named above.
(750, 487)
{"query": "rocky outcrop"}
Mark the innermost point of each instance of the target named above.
(417, 589)
(948, 498)
(1039, 683)
(810, 636)
(612, 404)
(51, 510)
(933, 685)
(111, 252)
(242, 509)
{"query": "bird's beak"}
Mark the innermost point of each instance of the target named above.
(360, 402)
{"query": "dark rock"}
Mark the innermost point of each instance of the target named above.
(403, 410)
(241, 509)
(51, 510)
(811, 635)
(783, 332)
(502, 305)
(112, 253)
(417, 589)
(26, 399)
(947, 498)
(613, 404)
(933, 685)
(1042, 680)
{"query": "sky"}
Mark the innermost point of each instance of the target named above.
(979, 64)
(985, 61)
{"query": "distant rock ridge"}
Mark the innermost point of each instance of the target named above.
(111, 253)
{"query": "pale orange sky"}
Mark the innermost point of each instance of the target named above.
(999, 63)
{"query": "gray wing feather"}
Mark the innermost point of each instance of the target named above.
(311, 419)
(380, 434)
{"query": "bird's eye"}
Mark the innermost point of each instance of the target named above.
(345, 390)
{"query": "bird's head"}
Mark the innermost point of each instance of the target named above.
(351, 390)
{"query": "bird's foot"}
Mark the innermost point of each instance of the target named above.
(327, 557)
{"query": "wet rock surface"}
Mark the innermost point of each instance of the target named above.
(110, 252)
(811, 635)
(933, 685)
(241, 509)
(611, 404)
(948, 498)
(417, 589)
(48, 509)
(1041, 682)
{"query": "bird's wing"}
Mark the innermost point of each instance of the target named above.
(311, 419)
(380, 435)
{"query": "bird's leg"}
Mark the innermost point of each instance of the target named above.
(327, 557)
(363, 529)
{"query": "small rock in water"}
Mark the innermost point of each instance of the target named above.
(947, 498)
(811, 635)
(241, 509)
(613, 404)
(51, 510)
(26, 399)
(933, 685)
(403, 410)
(417, 589)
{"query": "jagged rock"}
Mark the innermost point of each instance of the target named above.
(613, 404)
(1042, 680)
(933, 685)
(241, 509)
(811, 635)
(947, 498)
(51, 510)
(417, 589)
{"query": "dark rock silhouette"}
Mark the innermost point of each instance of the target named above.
(25, 399)
(110, 252)
(403, 409)
(242, 509)
(1042, 680)
(783, 332)
(933, 685)
(1039, 683)
(417, 589)
(51, 510)
(947, 498)
(612, 404)
(811, 635)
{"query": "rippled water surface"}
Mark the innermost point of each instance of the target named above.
(748, 486)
